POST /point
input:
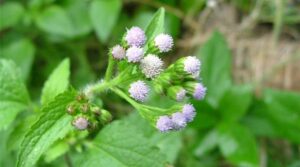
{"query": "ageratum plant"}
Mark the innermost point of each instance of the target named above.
(135, 70)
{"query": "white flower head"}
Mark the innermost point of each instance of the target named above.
(192, 65)
(134, 54)
(163, 42)
(81, 123)
(139, 90)
(118, 52)
(135, 36)
(151, 66)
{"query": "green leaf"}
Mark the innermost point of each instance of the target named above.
(235, 102)
(53, 124)
(209, 142)
(216, 67)
(57, 83)
(156, 25)
(14, 96)
(238, 145)
(78, 11)
(104, 14)
(21, 52)
(54, 20)
(283, 110)
(120, 144)
(10, 14)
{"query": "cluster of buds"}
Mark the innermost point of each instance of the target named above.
(179, 81)
(86, 115)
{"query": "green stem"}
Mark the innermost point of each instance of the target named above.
(125, 97)
(110, 68)
(278, 22)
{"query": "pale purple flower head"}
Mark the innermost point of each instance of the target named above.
(151, 66)
(135, 36)
(192, 65)
(188, 111)
(81, 123)
(181, 95)
(118, 52)
(134, 54)
(199, 91)
(179, 120)
(164, 124)
(163, 42)
(139, 91)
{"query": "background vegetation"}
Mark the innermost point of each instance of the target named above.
(251, 65)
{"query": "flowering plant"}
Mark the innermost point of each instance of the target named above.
(135, 68)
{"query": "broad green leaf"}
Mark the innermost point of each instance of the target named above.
(10, 14)
(282, 108)
(209, 142)
(14, 96)
(235, 102)
(78, 12)
(57, 150)
(238, 145)
(168, 143)
(216, 67)
(21, 51)
(57, 83)
(104, 14)
(53, 124)
(156, 25)
(54, 20)
(121, 145)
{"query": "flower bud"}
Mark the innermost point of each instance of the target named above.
(134, 54)
(151, 66)
(105, 116)
(71, 109)
(80, 123)
(139, 91)
(135, 36)
(176, 92)
(189, 66)
(197, 90)
(164, 124)
(163, 81)
(188, 111)
(118, 52)
(85, 107)
(163, 42)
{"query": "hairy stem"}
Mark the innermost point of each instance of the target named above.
(110, 68)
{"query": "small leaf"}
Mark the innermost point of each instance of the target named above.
(209, 142)
(120, 144)
(54, 20)
(216, 67)
(21, 52)
(53, 124)
(104, 14)
(235, 102)
(57, 83)
(156, 25)
(14, 96)
(238, 145)
(10, 14)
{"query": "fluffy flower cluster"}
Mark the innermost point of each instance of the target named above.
(178, 82)
(177, 120)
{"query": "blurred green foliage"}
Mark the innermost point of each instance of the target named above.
(44, 42)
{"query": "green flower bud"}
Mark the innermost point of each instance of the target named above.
(177, 93)
(105, 116)
(84, 107)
